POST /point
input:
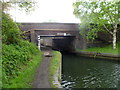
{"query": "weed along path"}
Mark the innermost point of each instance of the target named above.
(42, 76)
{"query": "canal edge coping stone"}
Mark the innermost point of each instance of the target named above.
(98, 55)
(57, 77)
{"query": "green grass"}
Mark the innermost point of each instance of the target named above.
(0, 74)
(107, 49)
(0, 61)
(27, 75)
(54, 64)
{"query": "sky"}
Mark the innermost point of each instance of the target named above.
(60, 11)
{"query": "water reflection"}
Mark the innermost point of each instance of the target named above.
(83, 72)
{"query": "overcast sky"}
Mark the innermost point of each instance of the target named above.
(48, 10)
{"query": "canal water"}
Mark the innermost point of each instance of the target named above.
(85, 72)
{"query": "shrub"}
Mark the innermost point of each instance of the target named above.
(15, 51)
(14, 56)
(10, 30)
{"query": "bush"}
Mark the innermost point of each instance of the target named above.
(16, 52)
(26, 46)
(10, 30)
(14, 56)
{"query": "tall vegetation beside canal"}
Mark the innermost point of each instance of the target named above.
(55, 64)
(17, 55)
(26, 74)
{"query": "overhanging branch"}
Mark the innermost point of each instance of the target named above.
(104, 25)
(107, 29)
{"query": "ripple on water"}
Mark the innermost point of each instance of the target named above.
(90, 73)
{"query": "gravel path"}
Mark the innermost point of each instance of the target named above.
(42, 79)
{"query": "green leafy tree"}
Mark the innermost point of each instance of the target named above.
(10, 30)
(26, 5)
(101, 15)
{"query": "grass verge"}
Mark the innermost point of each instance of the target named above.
(107, 49)
(0, 66)
(26, 77)
(54, 65)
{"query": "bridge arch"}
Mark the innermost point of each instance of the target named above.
(61, 36)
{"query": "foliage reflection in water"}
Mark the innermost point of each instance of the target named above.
(84, 72)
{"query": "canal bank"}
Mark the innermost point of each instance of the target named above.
(100, 51)
(48, 75)
(109, 56)
(55, 70)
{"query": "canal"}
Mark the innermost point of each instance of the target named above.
(85, 72)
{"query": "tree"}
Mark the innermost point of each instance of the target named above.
(26, 5)
(101, 15)
(10, 30)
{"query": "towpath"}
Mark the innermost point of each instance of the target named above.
(42, 74)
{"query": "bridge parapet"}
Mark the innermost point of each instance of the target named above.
(50, 26)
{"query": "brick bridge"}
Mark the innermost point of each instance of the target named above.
(59, 36)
